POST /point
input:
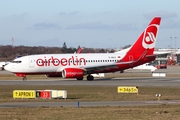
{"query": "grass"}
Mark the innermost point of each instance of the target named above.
(90, 93)
(93, 93)
(158, 112)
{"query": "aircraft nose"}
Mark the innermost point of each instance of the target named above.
(7, 67)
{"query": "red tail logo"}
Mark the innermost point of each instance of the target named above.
(149, 37)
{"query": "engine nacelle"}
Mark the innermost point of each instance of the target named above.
(54, 75)
(72, 73)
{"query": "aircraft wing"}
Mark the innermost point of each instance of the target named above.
(105, 66)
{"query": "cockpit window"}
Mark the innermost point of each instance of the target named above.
(16, 61)
(18, 56)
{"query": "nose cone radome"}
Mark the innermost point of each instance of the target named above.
(8, 68)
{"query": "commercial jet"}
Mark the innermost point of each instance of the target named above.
(80, 65)
(146, 66)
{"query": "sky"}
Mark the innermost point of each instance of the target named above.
(87, 23)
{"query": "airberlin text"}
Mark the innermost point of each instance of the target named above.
(72, 61)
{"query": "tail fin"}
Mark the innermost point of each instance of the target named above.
(145, 44)
(79, 50)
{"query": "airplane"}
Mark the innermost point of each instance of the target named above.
(79, 50)
(2, 64)
(79, 65)
(145, 66)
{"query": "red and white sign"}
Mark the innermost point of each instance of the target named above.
(45, 94)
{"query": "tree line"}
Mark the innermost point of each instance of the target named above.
(8, 52)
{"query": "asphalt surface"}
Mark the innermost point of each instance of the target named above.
(86, 104)
(100, 82)
(139, 81)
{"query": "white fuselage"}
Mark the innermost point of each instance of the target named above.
(57, 62)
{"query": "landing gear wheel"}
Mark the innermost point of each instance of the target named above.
(79, 79)
(90, 78)
(122, 71)
(24, 78)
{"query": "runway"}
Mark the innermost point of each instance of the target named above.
(148, 81)
(86, 104)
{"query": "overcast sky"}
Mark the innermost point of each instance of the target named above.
(88, 23)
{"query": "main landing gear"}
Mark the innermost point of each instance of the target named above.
(80, 79)
(89, 78)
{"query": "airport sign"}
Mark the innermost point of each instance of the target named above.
(24, 94)
(127, 89)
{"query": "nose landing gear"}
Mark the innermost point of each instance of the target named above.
(22, 75)
(24, 78)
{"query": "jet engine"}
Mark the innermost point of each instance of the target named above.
(72, 73)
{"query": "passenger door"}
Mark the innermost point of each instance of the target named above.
(31, 62)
